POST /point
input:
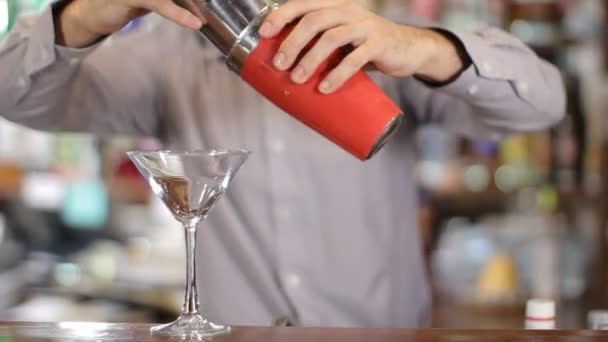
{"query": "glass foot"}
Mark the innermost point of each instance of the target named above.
(190, 326)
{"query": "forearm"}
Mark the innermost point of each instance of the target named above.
(70, 30)
(79, 23)
(34, 74)
(39, 77)
(55, 88)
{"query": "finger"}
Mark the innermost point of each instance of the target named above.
(289, 12)
(309, 27)
(173, 12)
(327, 44)
(350, 65)
(191, 5)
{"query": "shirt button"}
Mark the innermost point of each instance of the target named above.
(44, 55)
(522, 87)
(21, 82)
(487, 67)
(292, 280)
(73, 61)
(278, 146)
(473, 89)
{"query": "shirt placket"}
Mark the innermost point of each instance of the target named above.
(287, 196)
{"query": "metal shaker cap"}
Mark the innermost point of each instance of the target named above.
(231, 25)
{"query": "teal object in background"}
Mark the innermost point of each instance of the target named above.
(10, 10)
(29, 7)
(39, 4)
(8, 14)
(86, 205)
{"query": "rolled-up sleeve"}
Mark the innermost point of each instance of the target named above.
(29, 50)
(51, 87)
(507, 88)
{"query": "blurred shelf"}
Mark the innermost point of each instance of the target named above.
(11, 179)
(120, 189)
(470, 204)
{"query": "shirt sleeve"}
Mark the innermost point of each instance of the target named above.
(50, 87)
(507, 88)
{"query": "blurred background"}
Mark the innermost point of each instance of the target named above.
(82, 238)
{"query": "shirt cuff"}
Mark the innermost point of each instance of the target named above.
(490, 65)
(43, 51)
(490, 61)
(467, 84)
(462, 54)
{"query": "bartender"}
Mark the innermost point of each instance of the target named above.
(307, 233)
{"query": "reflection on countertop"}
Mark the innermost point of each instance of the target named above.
(81, 331)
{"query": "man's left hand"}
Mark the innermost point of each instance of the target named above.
(397, 50)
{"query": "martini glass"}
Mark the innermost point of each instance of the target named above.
(189, 183)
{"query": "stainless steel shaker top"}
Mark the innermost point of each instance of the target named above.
(231, 25)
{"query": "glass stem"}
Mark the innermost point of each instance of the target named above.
(191, 303)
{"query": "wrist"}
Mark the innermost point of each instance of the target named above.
(447, 57)
(70, 28)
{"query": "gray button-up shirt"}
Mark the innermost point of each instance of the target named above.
(306, 230)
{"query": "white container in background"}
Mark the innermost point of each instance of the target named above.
(540, 314)
(30, 148)
(598, 320)
(43, 191)
(10, 142)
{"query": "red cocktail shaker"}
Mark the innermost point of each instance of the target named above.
(359, 117)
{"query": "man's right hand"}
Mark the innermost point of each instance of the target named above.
(84, 21)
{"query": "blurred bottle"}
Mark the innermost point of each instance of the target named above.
(538, 225)
(86, 201)
(574, 256)
(429, 9)
(536, 23)
(462, 251)
(498, 281)
(466, 15)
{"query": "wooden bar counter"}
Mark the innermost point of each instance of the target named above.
(72, 331)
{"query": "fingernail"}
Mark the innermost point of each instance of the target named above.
(298, 75)
(279, 60)
(266, 29)
(194, 22)
(325, 87)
